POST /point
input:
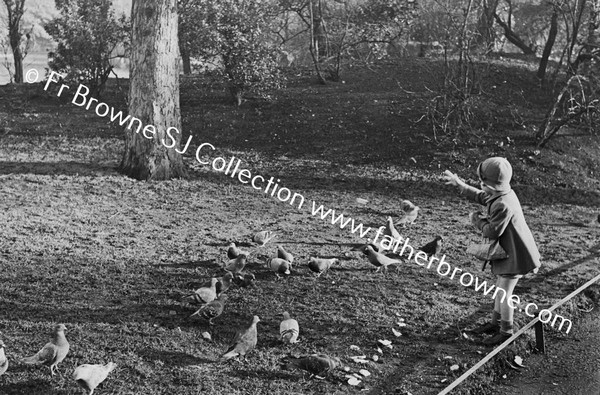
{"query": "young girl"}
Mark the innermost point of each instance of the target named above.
(504, 221)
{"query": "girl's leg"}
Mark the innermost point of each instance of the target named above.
(507, 283)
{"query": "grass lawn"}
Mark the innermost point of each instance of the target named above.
(110, 257)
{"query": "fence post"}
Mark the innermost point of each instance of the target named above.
(539, 337)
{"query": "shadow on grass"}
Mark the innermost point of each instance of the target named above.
(33, 387)
(173, 358)
(265, 375)
(69, 168)
(595, 254)
(208, 264)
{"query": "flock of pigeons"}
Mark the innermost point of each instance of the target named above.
(212, 298)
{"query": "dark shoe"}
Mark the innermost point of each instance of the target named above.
(488, 327)
(498, 338)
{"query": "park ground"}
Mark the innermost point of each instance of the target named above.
(110, 257)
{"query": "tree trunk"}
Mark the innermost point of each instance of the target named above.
(154, 93)
(15, 10)
(541, 73)
(485, 24)
(513, 37)
(185, 59)
(18, 60)
(314, 51)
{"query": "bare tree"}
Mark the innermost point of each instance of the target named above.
(15, 10)
(485, 24)
(541, 73)
(151, 153)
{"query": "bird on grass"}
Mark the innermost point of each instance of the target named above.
(204, 295)
(321, 265)
(244, 280)
(315, 364)
(390, 230)
(379, 260)
(288, 329)
(434, 247)
(262, 238)
(244, 341)
(279, 266)
(236, 265)
(90, 376)
(233, 251)
(212, 310)
(53, 353)
(223, 283)
(283, 254)
(3, 359)
(410, 212)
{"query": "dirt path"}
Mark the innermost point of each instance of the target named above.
(571, 366)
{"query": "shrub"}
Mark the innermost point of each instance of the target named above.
(87, 33)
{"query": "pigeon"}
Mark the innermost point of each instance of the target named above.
(90, 376)
(433, 247)
(288, 329)
(315, 364)
(3, 359)
(410, 213)
(204, 295)
(283, 254)
(223, 283)
(245, 280)
(390, 230)
(233, 251)
(321, 265)
(53, 352)
(236, 265)
(279, 266)
(212, 310)
(262, 238)
(379, 260)
(243, 342)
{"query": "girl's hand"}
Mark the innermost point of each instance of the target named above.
(452, 179)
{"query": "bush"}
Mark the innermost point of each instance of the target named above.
(233, 34)
(87, 33)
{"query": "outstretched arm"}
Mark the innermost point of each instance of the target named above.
(472, 193)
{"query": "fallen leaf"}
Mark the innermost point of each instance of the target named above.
(206, 336)
(375, 358)
(353, 380)
(364, 372)
(396, 333)
(454, 367)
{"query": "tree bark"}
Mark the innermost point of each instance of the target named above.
(154, 93)
(541, 73)
(15, 10)
(185, 59)
(485, 24)
(513, 37)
